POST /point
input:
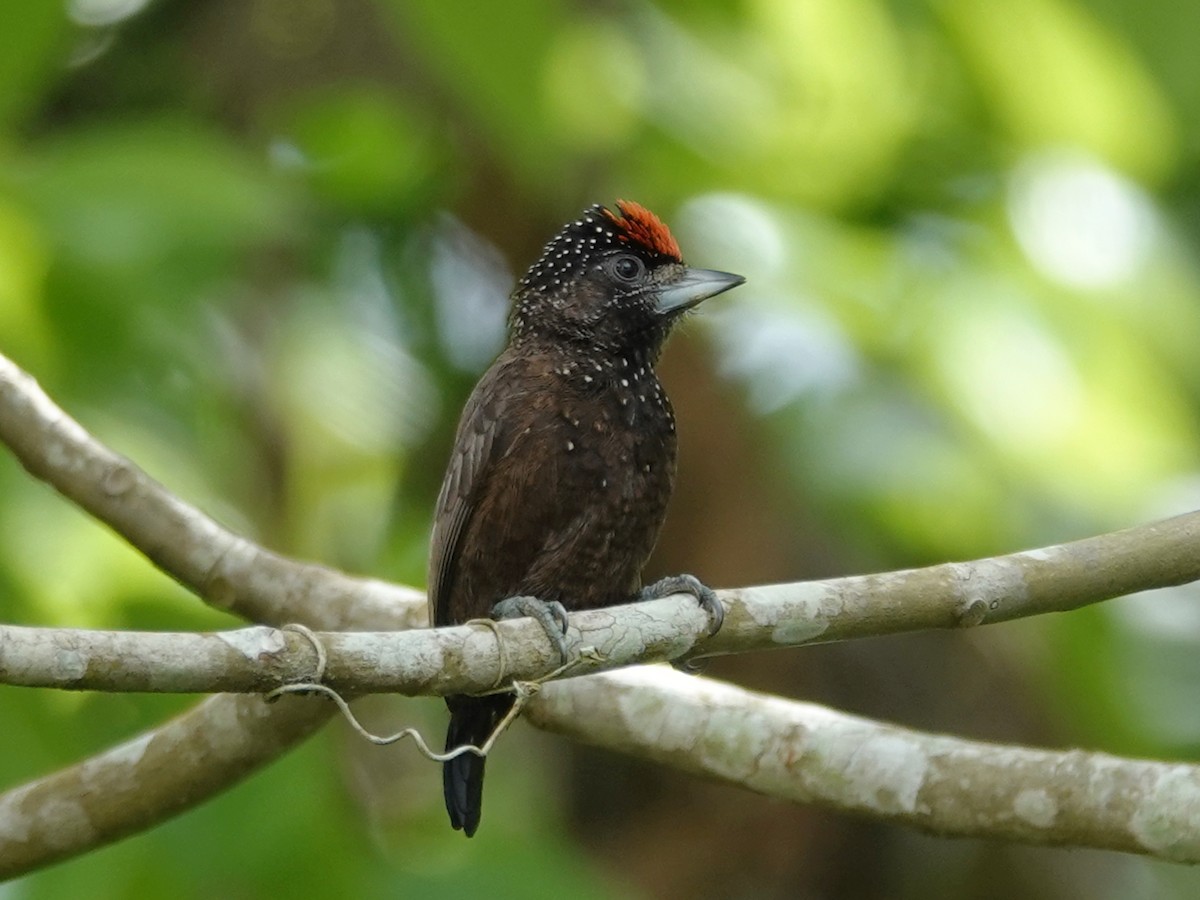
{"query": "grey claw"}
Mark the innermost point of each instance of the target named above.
(689, 584)
(551, 616)
(559, 612)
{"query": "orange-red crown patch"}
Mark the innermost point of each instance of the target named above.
(640, 226)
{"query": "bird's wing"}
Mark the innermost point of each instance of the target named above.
(479, 442)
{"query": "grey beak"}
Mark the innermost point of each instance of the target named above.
(694, 286)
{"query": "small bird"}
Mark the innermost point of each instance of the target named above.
(565, 454)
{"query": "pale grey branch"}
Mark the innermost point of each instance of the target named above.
(224, 569)
(467, 658)
(154, 776)
(945, 785)
(147, 780)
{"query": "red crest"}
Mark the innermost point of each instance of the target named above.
(640, 226)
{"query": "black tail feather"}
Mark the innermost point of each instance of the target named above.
(472, 720)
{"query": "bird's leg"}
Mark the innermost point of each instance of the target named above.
(551, 616)
(688, 584)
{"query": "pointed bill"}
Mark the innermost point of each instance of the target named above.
(694, 286)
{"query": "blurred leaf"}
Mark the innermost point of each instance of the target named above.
(34, 36)
(1055, 76)
(125, 195)
(596, 59)
(142, 220)
(496, 78)
(365, 151)
(24, 259)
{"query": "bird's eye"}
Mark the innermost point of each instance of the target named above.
(628, 268)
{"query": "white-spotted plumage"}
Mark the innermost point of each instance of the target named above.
(565, 454)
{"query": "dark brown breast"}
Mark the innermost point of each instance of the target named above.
(557, 487)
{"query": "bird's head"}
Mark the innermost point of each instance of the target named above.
(612, 281)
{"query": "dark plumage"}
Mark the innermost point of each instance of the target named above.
(565, 454)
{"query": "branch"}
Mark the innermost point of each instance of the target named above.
(467, 659)
(161, 773)
(963, 594)
(460, 659)
(235, 574)
(944, 785)
(220, 567)
(226, 570)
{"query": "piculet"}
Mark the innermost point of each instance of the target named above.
(564, 458)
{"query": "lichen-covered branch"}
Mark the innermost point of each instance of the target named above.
(468, 658)
(219, 566)
(127, 789)
(461, 659)
(940, 784)
(141, 782)
(963, 594)
(235, 574)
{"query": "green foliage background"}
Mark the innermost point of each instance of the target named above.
(262, 247)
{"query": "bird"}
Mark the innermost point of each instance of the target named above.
(565, 453)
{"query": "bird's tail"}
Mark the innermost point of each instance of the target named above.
(472, 720)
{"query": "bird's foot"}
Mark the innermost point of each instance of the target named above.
(551, 616)
(688, 584)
